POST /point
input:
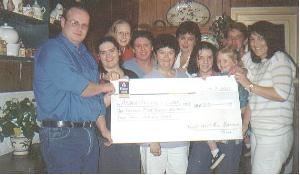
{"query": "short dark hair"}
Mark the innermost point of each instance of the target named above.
(238, 26)
(270, 32)
(107, 39)
(77, 5)
(115, 43)
(141, 34)
(193, 66)
(166, 40)
(189, 27)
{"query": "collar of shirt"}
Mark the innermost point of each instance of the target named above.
(82, 49)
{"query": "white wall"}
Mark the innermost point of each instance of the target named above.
(5, 146)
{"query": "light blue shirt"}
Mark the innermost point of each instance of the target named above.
(133, 66)
(61, 73)
(156, 74)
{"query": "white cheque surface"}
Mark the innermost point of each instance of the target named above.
(176, 109)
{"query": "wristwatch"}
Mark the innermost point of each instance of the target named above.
(251, 87)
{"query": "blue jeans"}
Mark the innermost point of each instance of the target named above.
(200, 158)
(70, 150)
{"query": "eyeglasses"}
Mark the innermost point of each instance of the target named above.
(74, 23)
(123, 34)
(111, 51)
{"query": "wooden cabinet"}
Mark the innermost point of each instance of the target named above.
(16, 73)
(32, 32)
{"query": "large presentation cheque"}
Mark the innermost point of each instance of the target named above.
(175, 109)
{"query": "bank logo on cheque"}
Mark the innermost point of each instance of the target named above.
(123, 88)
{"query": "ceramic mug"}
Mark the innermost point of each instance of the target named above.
(12, 49)
(38, 12)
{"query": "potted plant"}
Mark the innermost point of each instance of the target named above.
(18, 121)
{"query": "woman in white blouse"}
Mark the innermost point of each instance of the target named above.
(187, 34)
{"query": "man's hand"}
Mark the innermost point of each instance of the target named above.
(155, 148)
(95, 89)
(107, 88)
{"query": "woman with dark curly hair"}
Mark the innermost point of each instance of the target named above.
(187, 34)
(270, 83)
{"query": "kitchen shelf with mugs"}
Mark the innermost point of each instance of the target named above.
(11, 45)
(28, 19)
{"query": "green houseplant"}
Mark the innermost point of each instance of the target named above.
(18, 120)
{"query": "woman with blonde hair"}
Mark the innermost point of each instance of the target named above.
(121, 31)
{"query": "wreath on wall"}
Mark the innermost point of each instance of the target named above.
(219, 27)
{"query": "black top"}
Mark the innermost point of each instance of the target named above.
(130, 74)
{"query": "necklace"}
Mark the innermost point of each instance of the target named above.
(256, 75)
(258, 71)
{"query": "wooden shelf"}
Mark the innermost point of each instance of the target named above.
(15, 58)
(20, 17)
(172, 30)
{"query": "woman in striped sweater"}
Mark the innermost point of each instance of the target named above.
(270, 83)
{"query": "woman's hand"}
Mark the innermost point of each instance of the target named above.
(236, 69)
(110, 76)
(107, 135)
(107, 99)
(241, 77)
(155, 148)
(101, 125)
(245, 129)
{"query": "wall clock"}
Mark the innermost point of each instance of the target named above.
(188, 10)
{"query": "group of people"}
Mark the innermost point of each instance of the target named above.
(73, 97)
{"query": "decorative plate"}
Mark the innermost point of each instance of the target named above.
(188, 10)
